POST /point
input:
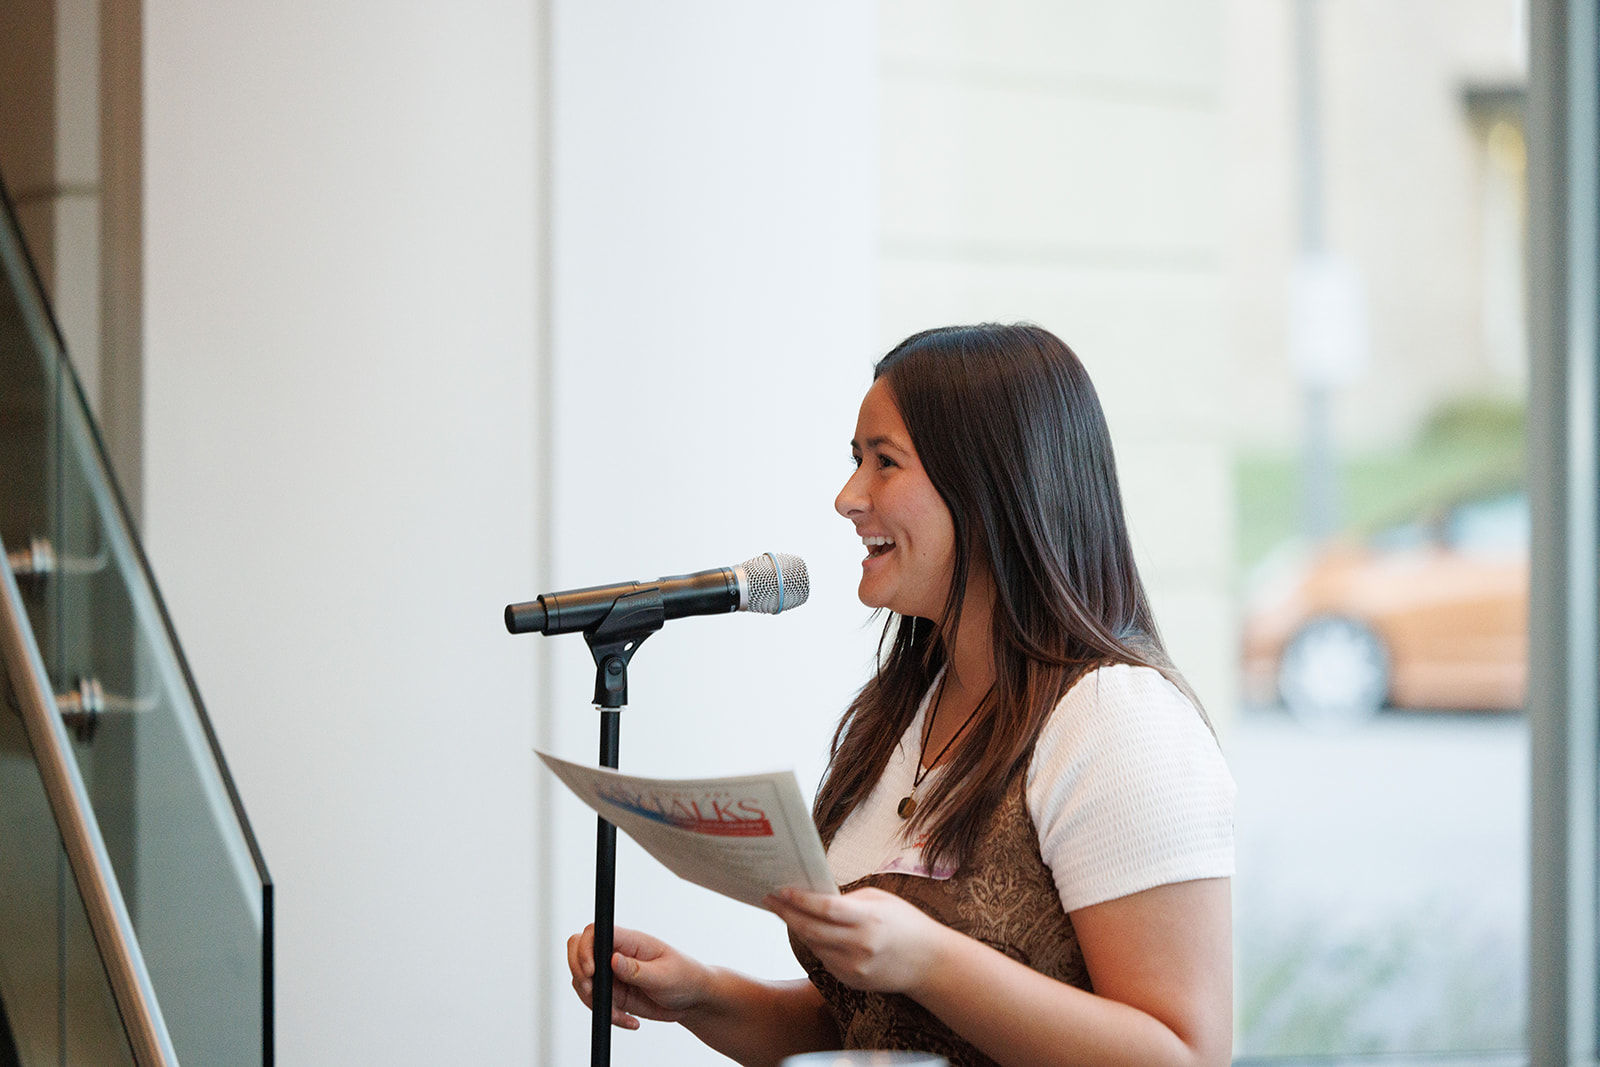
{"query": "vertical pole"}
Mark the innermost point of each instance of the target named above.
(605, 901)
(632, 618)
(1564, 496)
(1321, 477)
(1320, 480)
(1309, 126)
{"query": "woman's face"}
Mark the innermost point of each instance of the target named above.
(902, 520)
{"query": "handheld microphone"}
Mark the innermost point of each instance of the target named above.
(768, 583)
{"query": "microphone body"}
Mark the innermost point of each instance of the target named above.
(768, 583)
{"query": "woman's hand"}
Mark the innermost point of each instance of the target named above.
(753, 1022)
(867, 939)
(650, 979)
(1160, 960)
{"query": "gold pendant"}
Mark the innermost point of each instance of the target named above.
(908, 807)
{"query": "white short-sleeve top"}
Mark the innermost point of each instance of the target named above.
(1127, 789)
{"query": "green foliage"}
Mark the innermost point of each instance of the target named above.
(1476, 421)
(1421, 982)
(1468, 448)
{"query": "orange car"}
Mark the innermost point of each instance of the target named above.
(1425, 615)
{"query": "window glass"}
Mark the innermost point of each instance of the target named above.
(1380, 748)
(1286, 237)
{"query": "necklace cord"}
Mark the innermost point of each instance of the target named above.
(908, 805)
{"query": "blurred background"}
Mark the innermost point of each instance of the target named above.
(394, 313)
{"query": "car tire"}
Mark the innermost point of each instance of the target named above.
(1334, 673)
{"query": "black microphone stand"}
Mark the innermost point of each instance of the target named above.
(612, 643)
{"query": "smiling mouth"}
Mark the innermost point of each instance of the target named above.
(877, 546)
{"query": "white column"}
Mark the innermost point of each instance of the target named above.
(340, 428)
(343, 428)
(713, 308)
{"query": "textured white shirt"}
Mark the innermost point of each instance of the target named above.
(1127, 788)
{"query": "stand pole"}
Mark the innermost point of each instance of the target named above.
(612, 644)
(605, 902)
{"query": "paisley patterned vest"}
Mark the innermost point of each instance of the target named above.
(1003, 895)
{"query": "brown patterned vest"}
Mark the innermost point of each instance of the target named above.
(1003, 895)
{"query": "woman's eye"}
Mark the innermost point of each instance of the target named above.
(855, 461)
(884, 461)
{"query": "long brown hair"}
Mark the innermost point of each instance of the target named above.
(1010, 432)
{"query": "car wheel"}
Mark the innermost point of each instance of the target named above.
(1334, 672)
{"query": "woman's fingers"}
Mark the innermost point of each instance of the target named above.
(580, 953)
(580, 961)
(867, 938)
(626, 1000)
(831, 926)
(802, 900)
(821, 907)
(632, 943)
(623, 996)
(649, 979)
(821, 919)
(666, 983)
(626, 968)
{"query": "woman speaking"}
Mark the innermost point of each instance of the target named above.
(1026, 810)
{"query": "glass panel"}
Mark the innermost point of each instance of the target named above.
(184, 862)
(54, 991)
(1287, 239)
(1381, 753)
(194, 883)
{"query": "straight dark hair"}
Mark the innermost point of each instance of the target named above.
(1010, 432)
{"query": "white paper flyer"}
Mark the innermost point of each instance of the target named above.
(743, 837)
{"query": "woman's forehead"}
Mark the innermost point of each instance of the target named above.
(879, 415)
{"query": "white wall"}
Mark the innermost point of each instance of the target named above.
(341, 398)
(1061, 164)
(344, 469)
(714, 314)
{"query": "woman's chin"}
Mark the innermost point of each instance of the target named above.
(873, 597)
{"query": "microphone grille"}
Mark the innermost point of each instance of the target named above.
(773, 582)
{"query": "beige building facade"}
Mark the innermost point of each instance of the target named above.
(1423, 192)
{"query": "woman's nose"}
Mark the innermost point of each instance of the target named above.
(850, 501)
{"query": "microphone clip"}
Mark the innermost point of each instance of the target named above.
(617, 637)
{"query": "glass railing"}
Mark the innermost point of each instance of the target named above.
(73, 984)
(191, 877)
